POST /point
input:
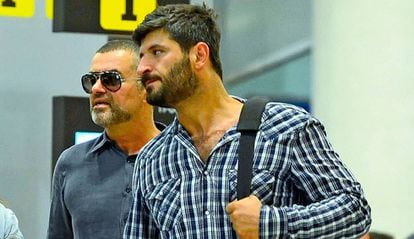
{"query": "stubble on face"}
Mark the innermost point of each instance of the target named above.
(111, 115)
(177, 85)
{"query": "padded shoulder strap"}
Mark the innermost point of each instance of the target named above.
(249, 122)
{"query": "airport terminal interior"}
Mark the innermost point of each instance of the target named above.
(349, 63)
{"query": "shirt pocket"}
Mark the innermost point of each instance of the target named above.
(262, 184)
(165, 203)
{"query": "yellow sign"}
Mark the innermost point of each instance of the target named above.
(17, 8)
(49, 9)
(124, 15)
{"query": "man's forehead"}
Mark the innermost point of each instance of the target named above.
(156, 37)
(113, 60)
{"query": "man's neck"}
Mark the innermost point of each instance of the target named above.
(131, 137)
(206, 115)
(208, 120)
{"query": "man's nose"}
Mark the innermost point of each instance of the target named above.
(144, 66)
(98, 87)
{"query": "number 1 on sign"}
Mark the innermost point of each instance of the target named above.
(124, 15)
(129, 13)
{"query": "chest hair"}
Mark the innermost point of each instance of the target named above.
(205, 143)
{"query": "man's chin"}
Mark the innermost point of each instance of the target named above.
(158, 103)
(155, 99)
(99, 118)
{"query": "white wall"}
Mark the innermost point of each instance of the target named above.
(35, 65)
(364, 93)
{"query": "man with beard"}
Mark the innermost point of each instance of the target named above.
(185, 180)
(91, 191)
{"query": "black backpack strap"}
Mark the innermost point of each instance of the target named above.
(249, 122)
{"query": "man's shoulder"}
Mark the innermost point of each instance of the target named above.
(285, 110)
(160, 141)
(76, 153)
(80, 148)
(282, 118)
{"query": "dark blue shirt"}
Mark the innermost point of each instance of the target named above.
(91, 191)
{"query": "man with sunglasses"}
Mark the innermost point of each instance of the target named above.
(91, 191)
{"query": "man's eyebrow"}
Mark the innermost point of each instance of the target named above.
(111, 70)
(156, 46)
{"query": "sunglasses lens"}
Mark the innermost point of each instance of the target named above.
(88, 80)
(111, 80)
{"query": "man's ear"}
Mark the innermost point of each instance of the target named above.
(200, 55)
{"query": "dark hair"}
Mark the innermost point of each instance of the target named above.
(187, 25)
(121, 44)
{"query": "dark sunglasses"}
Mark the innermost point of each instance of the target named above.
(111, 80)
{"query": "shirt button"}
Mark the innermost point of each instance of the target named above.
(131, 159)
(205, 173)
(206, 212)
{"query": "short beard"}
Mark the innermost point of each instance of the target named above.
(178, 84)
(108, 118)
